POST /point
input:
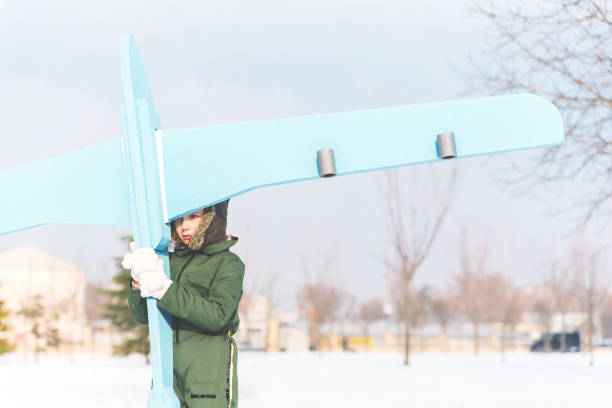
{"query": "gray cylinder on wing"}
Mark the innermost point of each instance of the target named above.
(446, 146)
(326, 163)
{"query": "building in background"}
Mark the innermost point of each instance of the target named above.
(254, 312)
(292, 334)
(29, 276)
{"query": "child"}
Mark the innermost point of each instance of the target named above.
(202, 297)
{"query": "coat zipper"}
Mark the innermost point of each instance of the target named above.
(230, 370)
(178, 278)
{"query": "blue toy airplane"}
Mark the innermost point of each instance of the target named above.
(142, 180)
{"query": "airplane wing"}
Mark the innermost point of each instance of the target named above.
(90, 186)
(227, 160)
(87, 186)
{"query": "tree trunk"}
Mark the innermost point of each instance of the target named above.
(476, 325)
(421, 340)
(267, 345)
(591, 327)
(562, 332)
(247, 334)
(407, 344)
(267, 334)
(503, 344)
(314, 337)
(398, 339)
(445, 340)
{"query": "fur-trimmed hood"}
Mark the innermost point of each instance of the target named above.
(212, 229)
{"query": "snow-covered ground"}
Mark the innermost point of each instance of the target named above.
(327, 380)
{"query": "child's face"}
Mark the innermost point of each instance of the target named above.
(188, 225)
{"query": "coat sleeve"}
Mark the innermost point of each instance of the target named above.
(212, 312)
(138, 305)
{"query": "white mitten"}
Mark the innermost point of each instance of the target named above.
(154, 284)
(142, 260)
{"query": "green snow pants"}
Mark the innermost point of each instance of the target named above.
(205, 370)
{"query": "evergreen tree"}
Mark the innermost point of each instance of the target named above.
(41, 325)
(117, 310)
(5, 346)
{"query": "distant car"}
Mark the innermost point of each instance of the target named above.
(607, 342)
(572, 342)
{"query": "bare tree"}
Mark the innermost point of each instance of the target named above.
(244, 308)
(469, 294)
(509, 309)
(562, 50)
(543, 310)
(592, 288)
(425, 297)
(606, 316)
(369, 312)
(562, 290)
(441, 309)
(320, 300)
(250, 288)
(270, 291)
(263, 286)
(413, 225)
(263, 281)
(347, 310)
(408, 312)
(512, 315)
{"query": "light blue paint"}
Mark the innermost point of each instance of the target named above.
(254, 154)
(83, 187)
(100, 185)
(139, 122)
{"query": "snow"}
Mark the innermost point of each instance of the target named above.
(327, 380)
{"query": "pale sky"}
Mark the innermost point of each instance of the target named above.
(210, 63)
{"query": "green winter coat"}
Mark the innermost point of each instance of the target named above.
(203, 301)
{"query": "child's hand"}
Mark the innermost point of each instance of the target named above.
(135, 285)
(154, 284)
(141, 260)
